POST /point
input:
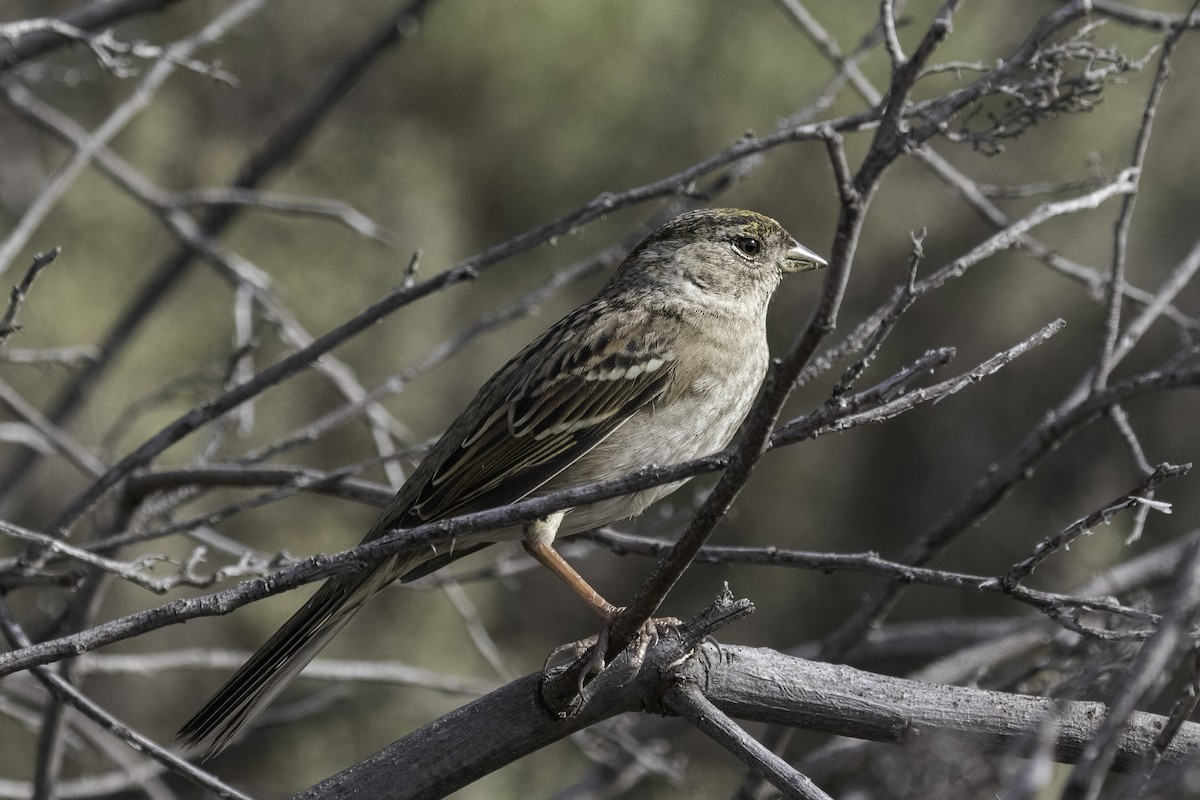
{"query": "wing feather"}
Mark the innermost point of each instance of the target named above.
(542, 411)
(530, 439)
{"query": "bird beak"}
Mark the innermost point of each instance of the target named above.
(799, 258)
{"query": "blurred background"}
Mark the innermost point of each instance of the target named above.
(489, 120)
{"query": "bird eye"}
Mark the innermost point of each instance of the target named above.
(747, 245)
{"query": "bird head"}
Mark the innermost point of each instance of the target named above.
(718, 253)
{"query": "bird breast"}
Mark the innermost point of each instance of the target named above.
(713, 389)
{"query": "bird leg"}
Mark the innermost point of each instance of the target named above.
(539, 535)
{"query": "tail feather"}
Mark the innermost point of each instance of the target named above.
(274, 665)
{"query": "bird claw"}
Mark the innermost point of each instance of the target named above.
(594, 647)
(575, 649)
(647, 637)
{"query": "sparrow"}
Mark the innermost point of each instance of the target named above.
(661, 366)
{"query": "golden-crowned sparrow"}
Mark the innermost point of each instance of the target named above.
(661, 366)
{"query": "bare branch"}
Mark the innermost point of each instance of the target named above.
(944, 389)
(8, 323)
(1125, 217)
(1179, 278)
(746, 683)
(1062, 608)
(66, 693)
(62, 180)
(1130, 15)
(62, 356)
(988, 491)
(891, 40)
(866, 330)
(1147, 670)
(338, 210)
(111, 54)
(129, 572)
(1135, 498)
(690, 703)
(280, 146)
(329, 670)
(93, 16)
(59, 440)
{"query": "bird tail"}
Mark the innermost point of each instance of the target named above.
(281, 659)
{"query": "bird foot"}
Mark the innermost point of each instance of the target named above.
(647, 637)
(573, 649)
(594, 647)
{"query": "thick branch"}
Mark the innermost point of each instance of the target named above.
(750, 684)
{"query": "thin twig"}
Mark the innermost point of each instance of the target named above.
(1148, 669)
(862, 334)
(1135, 498)
(1000, 479)
(1130, 15)
(943, 389)
(8, 323)
(1059, 607)
(97, 15)
(479, 635)
(1180, 277)
(339, 210)
(1125, 215)
(69, 356)
(845, 67)
(66, 693)
(55, 187)
(129, 572)
(59, 440)
(280, 146)
(330, 670)
(113, 55)
(891, 40)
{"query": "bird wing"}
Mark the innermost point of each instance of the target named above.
(578, 383)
